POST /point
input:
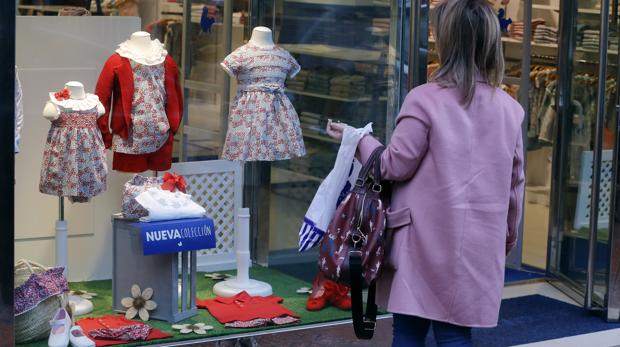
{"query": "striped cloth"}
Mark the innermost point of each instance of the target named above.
(333, 189)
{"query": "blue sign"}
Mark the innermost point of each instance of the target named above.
(177, 235)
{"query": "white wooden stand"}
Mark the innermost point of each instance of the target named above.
(242, 282)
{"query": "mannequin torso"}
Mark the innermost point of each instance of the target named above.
(142, 50)
(76, 90)
(140, 42)
(262, 37)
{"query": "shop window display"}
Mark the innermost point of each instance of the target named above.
(162, 102)
(148, 102)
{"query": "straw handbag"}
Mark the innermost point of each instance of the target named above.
(34, 324)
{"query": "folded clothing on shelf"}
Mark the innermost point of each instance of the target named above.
(246, 308)
(380, 26)
(516, 29)
(348, 86)
(546, 34)
(299, 82)
(318, 82)
(114, 330)
(166, 205)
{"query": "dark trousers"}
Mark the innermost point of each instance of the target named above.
(411, 331)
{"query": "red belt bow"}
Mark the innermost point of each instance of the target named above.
(172, 182)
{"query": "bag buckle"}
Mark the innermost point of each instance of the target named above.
(377, 188)
(360, 182)
(357, 238)
(370, 325)
(355, 253)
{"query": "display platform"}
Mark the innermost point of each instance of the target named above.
(284, 286)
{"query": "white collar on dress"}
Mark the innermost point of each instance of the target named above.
(156, 55)
(88, 103)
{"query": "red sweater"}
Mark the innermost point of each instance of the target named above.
(115, 90)
(243, 307)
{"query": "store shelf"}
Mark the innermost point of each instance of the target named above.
(334, 52)
(519, 42)
(343, 2)
(285, 175)
(321, 138)
(534, 43)
(593, 11)
(545, 7)
(331, 97)
(595, 51)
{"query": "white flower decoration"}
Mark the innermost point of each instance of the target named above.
(82, 294)
(139, 304)
(304, 290)
(196, 328)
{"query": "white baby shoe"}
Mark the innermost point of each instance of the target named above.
(78, 339)
(60, 323)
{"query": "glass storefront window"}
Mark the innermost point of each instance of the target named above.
(348, 52)
(354, 58)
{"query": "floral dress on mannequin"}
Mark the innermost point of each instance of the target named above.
(262, 123)
(74, 161)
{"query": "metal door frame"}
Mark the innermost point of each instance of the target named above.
(613, 276)
(567, 46)
(7, 169)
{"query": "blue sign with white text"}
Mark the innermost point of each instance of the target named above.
(177, 235)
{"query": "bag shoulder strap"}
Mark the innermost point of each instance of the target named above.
(371, 163)
(363, 324)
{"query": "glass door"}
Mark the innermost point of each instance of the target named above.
(583, 165)
(350, 53)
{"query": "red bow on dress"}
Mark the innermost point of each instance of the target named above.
(172, 182)
(63, 94)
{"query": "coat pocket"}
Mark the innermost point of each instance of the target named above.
(398, 218)
(395, 221)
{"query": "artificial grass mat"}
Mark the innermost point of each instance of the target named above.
(284, 286)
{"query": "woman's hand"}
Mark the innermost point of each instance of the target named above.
(335, 130)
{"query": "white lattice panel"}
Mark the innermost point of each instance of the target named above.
(216, 185)
(582, 212)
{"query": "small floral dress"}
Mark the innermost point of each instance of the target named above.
(149, 129)
(74, 160)
(262, 123)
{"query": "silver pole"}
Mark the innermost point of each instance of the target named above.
(598, 151)
(613, 280)
(61, 208)
(414, 45)
(228, 9)
(187, 20)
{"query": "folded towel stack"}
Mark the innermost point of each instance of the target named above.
(591, 38)
(546, 34)
(348, 86)
(299, 82)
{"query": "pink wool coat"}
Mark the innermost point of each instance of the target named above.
(456, 204)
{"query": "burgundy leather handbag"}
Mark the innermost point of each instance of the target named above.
(353, 247)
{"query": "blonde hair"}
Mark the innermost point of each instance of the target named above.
(468, 41)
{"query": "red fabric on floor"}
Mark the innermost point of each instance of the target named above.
(244, 307)
(90, 324)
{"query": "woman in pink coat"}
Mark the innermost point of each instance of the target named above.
(456, 162)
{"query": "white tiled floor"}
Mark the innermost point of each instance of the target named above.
(607, 338)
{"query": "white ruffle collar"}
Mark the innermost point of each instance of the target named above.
(155, 56)
(88, 103)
